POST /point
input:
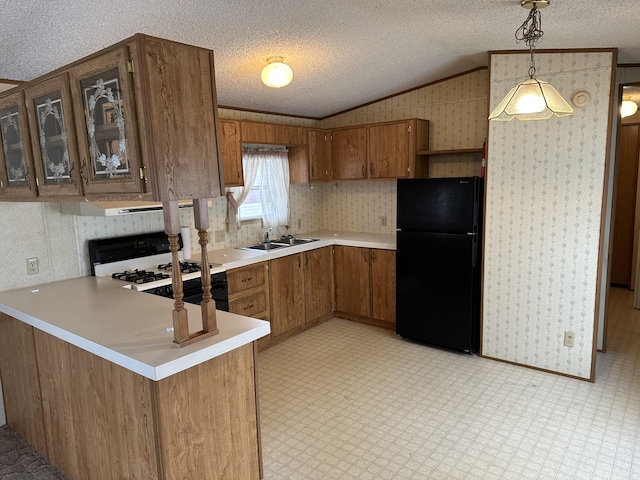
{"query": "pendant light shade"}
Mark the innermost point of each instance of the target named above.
(628, 108)
(276, 74)
(532, 99)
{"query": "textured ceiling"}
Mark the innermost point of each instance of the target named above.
(343, 52)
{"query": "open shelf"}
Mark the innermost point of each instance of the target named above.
(449, 152)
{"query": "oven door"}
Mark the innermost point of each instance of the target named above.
(219, 291)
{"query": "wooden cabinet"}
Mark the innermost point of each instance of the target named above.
(136, 120)
(382, 273)
(231, 150)
(392, 147)
(17, 177)
(286, 276)
(352, 280)
(272, 134)
(318, 284)
(365, 282)
(320, 164)
(53, 137)
(249, 292)
(106, 121)
(348, 153)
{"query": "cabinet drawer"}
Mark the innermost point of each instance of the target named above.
(249, 305)
(245, 278)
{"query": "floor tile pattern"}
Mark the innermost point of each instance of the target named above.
(350, 401)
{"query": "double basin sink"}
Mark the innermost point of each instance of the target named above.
(280, 243)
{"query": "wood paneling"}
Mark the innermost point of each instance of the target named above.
(623, 230)
(181, 116)
(207, 420)
(98, 415)
(383, 284)
(286, 278)
(318, 283)
(352, 280)
(20, 384)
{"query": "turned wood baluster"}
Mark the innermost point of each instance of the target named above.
(208, 305)
(172, 229)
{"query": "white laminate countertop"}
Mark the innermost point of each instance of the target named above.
(124, 326)
(235, 258)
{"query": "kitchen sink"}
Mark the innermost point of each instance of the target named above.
(264, 246)
(280, 243)
(295, 240)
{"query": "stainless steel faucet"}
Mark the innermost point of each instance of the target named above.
(266, 235)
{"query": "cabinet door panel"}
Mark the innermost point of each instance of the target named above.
(383, 284)
(53, 137)
(318, 283)
(106, 120)
(388, 150)
(231, 153)
(16, 163)
(319, 156)
(287, 293)
(352, 280)
(348, 149)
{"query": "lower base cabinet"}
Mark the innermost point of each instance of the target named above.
(365, 283)
(286, 278)
(318, 284)
(249, 292)
(94, 419)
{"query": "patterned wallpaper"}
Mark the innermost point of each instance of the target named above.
(456, 109)
(545, 185)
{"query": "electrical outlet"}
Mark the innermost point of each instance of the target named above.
(32, 266)
(383, 221)
(219, 236)
(569, 339)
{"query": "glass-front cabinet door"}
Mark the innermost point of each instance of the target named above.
(104, 105)
(53, 137)
(16, 163)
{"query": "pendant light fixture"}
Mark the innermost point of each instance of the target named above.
(276, 74)
(532, 99)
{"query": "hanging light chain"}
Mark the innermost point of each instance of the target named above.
(531, 32)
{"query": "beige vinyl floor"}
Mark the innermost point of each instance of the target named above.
(350, 401)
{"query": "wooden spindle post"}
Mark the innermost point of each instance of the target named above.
(172, 229)
(208, 305)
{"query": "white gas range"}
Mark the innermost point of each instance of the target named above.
(144, 263)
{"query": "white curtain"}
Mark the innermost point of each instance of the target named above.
(273, 167)
(274, 192)
(250, 165)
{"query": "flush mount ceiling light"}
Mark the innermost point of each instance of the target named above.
(532, 99)
(276, 74)
(628, 108)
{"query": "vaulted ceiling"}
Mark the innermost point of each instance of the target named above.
(343, 52)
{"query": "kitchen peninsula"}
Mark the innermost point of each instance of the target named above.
(93, 382)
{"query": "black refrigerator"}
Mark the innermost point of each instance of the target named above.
(439, 246)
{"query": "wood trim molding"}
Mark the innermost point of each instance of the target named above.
(535, 368)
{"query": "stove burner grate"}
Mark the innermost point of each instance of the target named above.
(139, 276)
(185, 267)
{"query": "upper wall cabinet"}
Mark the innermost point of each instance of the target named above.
(320, 165)
(53, 137)
(392, 147)
(107, 132)
(17, 179)
(273, 134)
(144, 113)
(231, 150)
(349, 153)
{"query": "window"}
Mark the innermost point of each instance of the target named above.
(266, 192)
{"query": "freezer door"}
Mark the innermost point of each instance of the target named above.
(443, 205)
(437, 299)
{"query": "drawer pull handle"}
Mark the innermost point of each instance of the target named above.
(247, 279)
(248, 307)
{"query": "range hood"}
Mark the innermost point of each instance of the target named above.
(112, 209)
